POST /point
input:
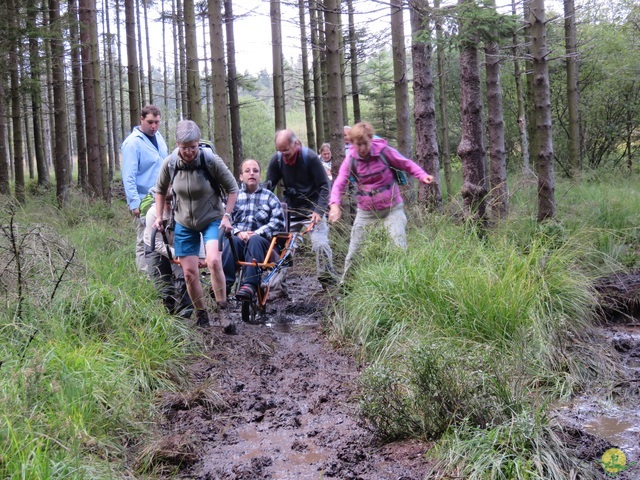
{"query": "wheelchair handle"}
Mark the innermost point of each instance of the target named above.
(152, 247)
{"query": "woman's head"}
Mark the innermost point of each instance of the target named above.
(325, 152)
(187, 139)
(361, 135)
(250, 174)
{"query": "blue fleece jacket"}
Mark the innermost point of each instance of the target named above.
(141, 162)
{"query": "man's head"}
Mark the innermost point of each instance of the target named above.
(288, 145)
(346, 132)
(187, 139)
(250, 174)
(325, 152)
(150, 120)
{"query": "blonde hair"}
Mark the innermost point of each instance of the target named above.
(361, 131)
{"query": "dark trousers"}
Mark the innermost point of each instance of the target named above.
(255, 249)
(172, 288)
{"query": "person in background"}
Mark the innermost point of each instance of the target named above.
(142, 154)
(198, 209)
(257, 216)
(306, 192)
(378, 194)
(346, 132)
(325, 156)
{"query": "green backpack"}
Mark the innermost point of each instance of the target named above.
(146, 202)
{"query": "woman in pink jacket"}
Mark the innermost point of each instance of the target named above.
(368, 163)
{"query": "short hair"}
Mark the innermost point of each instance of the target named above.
(291, 137)
(150, 109)
(187, 131)
(325, 146)
(361, 131)
(250, 160)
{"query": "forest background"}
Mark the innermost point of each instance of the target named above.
(500, 106)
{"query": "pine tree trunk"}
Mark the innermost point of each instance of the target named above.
(111, 162)
(123, 122)
(207, 79)
(76, 76)
(353, 62)
(146, 36)
(193, 67)
(90, 112)
(444, 116)
(278, 72)
(132, 66)
(424, 106)
(4, 161)
(115, 151)
(400, 81)
(179, 27)
(317, 71)
(165, 69)
(499, 194)
(471, 149)
(542, 104)
(14, 61)
(529, 95)
(219, 81)
(143, 94)
(343, 69)
(60, 107)
(36, 93)
(522, 117)
(177, 66)
(573, 89)
(334, 74)
(232, 76)
(306, 83)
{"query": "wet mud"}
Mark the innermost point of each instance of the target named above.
(276, 401)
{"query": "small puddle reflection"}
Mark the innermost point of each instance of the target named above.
(290, 327)
(613, 429)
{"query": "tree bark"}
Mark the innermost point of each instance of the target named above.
(123, 123)
(499, 193)
(522, 117)
(542, 105)
(106, 41)
(36, 93)
(132, 65)
(400, 81)
(306, 83)
(471, 149)
(179, 27)
(353, 62)
(4, 161)
(573, 89)
(334, 73)
(14, 61)
(232, 76)
(278, 72)
(115, 151)
(61, 156)
(193, 69)
(146, 36)
(76, 75)
(207, 77)
(143, 94)
(424, 109)
(317, 71)
(442, 89)
(219, 81)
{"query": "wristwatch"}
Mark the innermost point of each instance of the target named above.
(228, 215)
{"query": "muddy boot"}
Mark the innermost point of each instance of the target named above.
(228, 326)
(202, 318)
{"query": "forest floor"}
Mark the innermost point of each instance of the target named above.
(279, 401)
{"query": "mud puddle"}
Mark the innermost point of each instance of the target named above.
(278, 401)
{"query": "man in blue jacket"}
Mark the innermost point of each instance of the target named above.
(142, 154)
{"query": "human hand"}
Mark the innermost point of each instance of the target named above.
(159, 224)
(136, 212)
(428, 179)
(245, 236)
(334, 213)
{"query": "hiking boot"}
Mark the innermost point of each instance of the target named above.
(202, 318)
(228, 326)
(246, 293)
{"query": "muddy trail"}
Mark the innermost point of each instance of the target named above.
(278, 401)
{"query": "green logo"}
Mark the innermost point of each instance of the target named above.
(614, 461)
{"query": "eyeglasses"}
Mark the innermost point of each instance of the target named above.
(188, 149)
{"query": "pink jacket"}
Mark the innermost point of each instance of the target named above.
(377, 189)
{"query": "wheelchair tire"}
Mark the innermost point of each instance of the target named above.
(250, 312)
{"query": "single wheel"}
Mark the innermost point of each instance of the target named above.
(249, 311)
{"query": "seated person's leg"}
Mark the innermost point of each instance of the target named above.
(256, 249)
(228, 261)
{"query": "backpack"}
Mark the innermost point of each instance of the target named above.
(305, 158)
(146, 202)
(399, 176)
(204, 163)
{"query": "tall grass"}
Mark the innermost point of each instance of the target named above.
(80, 370)
(471, 334)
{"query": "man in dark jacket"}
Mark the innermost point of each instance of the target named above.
(306, 192)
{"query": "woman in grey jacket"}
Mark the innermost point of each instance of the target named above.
(198, 209)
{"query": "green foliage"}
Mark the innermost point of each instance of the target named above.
(257, 124)
(81, 367)
(377, 88)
